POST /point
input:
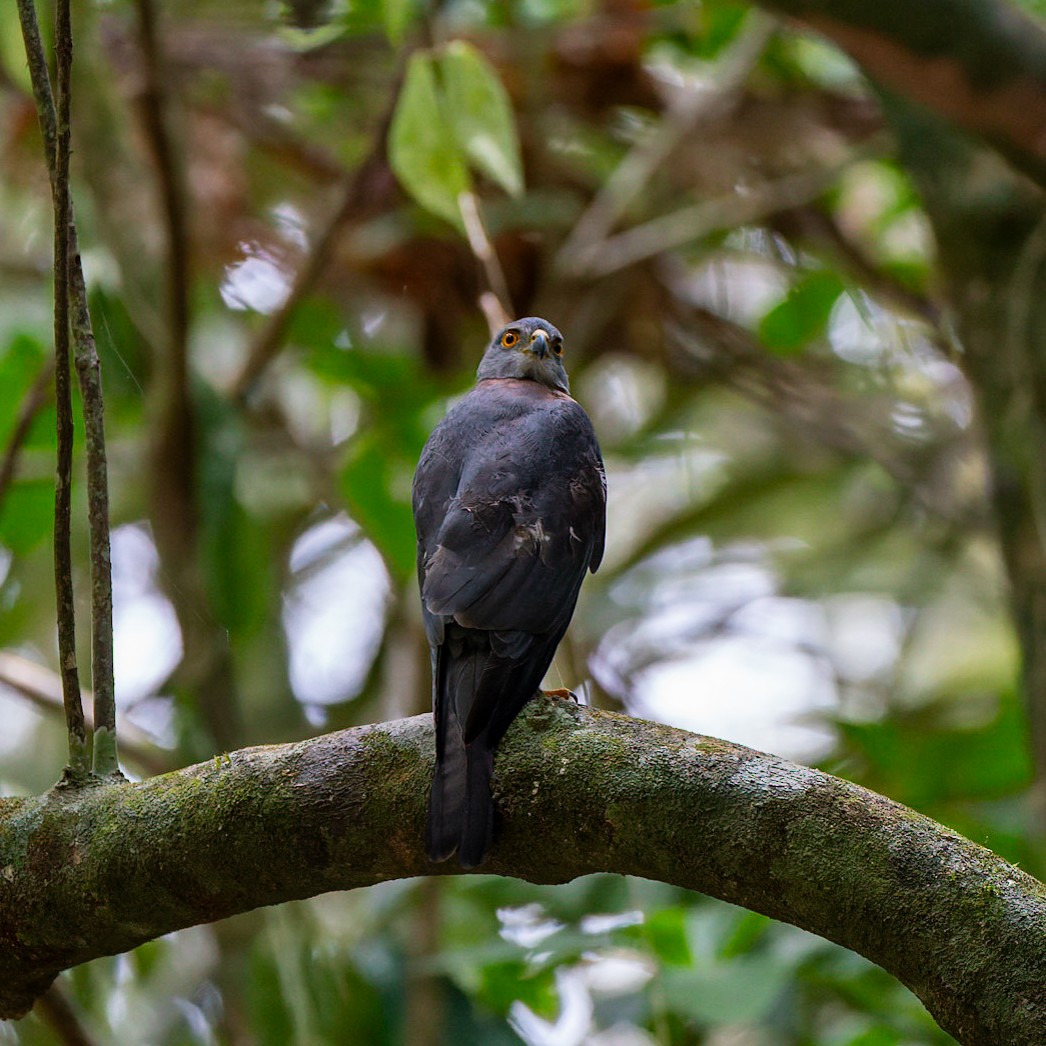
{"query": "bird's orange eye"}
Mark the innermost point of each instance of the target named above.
(509, 339)
(557, 347)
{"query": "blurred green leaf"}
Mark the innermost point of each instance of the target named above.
(27, 515)
(666, 932)
(377, 491)
(423, 150)
(376, 476)
(907, 272)
(21, 360)
(239, 565)
(123, 353)
(719, 25)
(362, 17)
(481, 116)
(878, 1036)
(396, 15)
(867, 995)
(240, 568)
(504, 983)
(12, 48)
(918, 759)
(726, 993)
(749, 928)
(271, 1021)
(803, 315)
(147, 959)
(347, 1006)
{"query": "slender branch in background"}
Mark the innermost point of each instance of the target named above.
(88, 370)
(41, 687)
(693, 105)
(79, 765)
(173, 476)
(688, 224)
(495, 302)
(367, 183)
(267, 345)
(424, 1011)
(55, 1010)
(172, 197)
(206, 670)
(35, 401)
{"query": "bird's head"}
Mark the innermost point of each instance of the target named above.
(527, 348)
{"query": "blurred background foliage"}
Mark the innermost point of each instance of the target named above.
(801, 555)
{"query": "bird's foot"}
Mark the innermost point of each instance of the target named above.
(561, 694)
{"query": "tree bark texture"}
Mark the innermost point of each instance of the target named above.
(102, 869)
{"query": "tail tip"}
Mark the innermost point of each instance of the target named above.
(469, 856)
(439, 846)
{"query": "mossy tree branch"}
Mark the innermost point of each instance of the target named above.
(104, 869)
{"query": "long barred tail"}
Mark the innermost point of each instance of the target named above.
(447, 798)
(470, 681)
(478, 692)
(461, 807)
(477, 826)
(461, 810)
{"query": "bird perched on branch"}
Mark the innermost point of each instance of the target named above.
(510, 512)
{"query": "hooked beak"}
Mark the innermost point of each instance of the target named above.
(540, 344)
